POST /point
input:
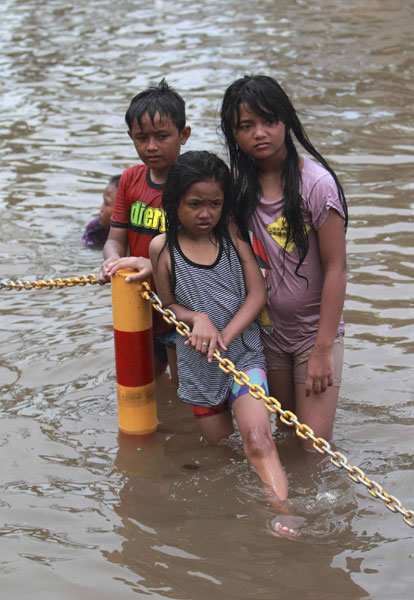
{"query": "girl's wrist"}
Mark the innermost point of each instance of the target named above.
(199, 316)
(224, 338)
(323, 345)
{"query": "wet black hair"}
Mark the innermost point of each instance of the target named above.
(267, 99)
(114, 180)
(190, 168)
(161, 99)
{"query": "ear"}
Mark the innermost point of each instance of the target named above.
(185, 134)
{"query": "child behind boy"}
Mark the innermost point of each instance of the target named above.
(157, 127)
(96, 232)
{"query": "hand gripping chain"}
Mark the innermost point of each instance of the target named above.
(286, 416)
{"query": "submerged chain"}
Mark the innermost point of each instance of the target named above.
(286, 416)
(48, 283)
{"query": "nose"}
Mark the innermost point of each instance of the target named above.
(152, 144)
(204, 212)
(259, 131)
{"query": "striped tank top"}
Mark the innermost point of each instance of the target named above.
(219, 291)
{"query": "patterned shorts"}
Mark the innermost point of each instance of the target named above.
(256, 375)
(162, 341)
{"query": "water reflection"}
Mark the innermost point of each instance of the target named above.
(175, 532)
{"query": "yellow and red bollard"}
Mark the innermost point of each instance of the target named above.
(134, 357)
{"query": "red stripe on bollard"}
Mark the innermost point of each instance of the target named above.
(131, 346)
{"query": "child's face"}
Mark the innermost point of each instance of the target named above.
(158, 143)
(259, 138)
(200, 208)
(105, 211)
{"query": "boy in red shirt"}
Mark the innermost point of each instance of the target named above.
(157, 127)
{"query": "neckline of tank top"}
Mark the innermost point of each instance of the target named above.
(198, 265)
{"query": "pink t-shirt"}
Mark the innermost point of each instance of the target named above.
(294, 303)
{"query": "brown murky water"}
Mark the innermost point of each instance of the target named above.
(88, 514)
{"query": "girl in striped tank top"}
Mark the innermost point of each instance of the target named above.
(209, 277)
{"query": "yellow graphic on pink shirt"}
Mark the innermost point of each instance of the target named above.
(278, 231)
(264, 320)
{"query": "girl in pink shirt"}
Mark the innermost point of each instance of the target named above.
(294, 210)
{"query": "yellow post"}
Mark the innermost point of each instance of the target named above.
(134, 357)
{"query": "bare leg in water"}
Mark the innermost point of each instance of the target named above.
(254, 423)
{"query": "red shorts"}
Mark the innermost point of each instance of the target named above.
(208, 411)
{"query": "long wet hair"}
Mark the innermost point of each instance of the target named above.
(190, 168)
(267, 99)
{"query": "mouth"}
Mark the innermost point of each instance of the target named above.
(261, 146)
(203, 225)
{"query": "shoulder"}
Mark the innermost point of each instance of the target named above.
(158, 242)
(133, 174)
(319, 192)
(159, 254)
(234, 233)
(243, 247)
(317, 184)
(94, 224)
(135, 170)
(313, 174)
(94, 233)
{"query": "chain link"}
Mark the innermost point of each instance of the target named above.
(287, 417)
(48, 283)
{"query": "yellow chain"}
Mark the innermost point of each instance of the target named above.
(48, 283)
(273, 405)
(286, 416)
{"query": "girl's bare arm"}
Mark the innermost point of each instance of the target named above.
(331, 239)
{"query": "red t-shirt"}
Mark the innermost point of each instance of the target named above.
(137, 208)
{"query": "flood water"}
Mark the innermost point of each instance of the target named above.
(86, 513)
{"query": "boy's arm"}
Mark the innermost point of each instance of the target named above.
(117, 243)
(115, 248)
(255, 289)
(204, 336)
